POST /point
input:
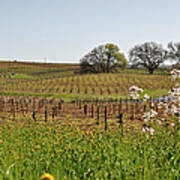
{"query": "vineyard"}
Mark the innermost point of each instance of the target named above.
(76, 126)
(66, 83)
(82, 114)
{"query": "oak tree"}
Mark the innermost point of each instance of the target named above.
(103, 59)
(148, 55)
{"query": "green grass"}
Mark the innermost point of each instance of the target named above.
(22, 76)
(144, 71)
(156, 92)
(71, 97)
(28, 151)
(64, 97)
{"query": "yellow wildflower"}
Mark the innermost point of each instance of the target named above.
(37, 147)
(47, 176)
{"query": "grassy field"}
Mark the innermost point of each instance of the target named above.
(28, 151)
(55, 120)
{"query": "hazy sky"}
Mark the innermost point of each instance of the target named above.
(65, 30)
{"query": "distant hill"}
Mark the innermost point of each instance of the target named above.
(39, 65)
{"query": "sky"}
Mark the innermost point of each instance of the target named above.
(65, 30)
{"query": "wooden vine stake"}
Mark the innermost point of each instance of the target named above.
(13, 109)
(59, 105)
(53, 112)
(34, 116)
(97, 115)
(34, 112)
(85, 109)
(120, 121)
(80, 104)
(105, 119)
(114, 108)
(92, 111)
(132, 112)
(144, 108)
(46, 114)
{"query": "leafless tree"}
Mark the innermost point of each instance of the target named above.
(174, 51)
(149, 55)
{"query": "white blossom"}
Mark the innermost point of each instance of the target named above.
(146, 97)
(135, 89)
(134, 92)
(148, 129)
(172, 124)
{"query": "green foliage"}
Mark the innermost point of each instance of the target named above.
(28, 151)
(103, 59)
(119, 60)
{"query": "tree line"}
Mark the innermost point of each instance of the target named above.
(108, 58)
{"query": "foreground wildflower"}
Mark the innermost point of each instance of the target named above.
(148, 129)
(47, 176)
